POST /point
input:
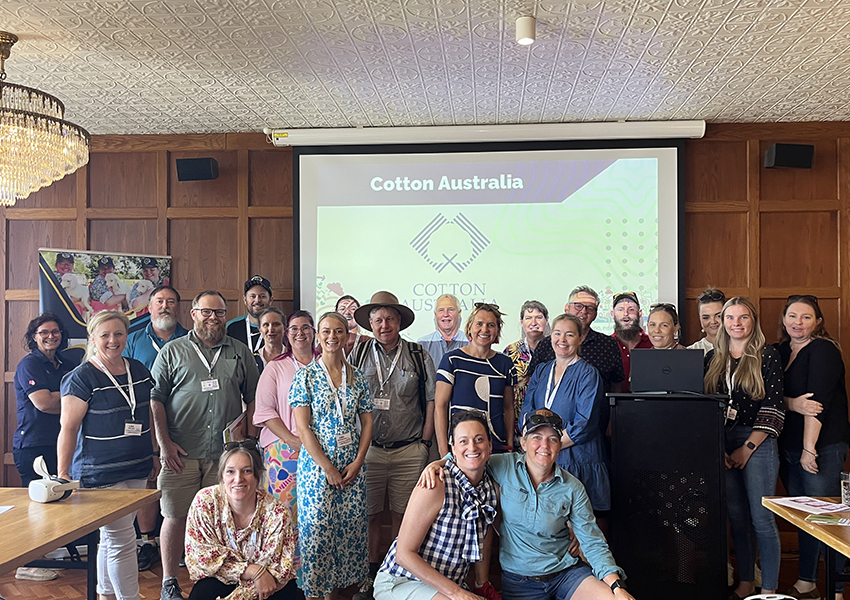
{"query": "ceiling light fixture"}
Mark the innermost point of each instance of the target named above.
(525, 30)
(37, 146)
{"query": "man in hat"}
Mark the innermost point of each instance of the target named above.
(99, 291)
(447, 336)
(64, 264)
(402, 381)
(140, 294)
(627, 327)
(258, 297)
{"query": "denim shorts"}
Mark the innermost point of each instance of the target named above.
(389, 587)
(560, 587)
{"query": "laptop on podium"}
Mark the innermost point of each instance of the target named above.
(667, 370)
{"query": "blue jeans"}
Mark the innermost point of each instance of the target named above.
(827, 482)
(562, 587)
(744, 491)
(25, 456)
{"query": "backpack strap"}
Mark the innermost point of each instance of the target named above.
(359, 353)
(417, 354)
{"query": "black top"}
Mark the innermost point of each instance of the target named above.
(598, 349)
(818, 369)
(768, 413)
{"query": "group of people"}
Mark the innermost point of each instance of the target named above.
(340, 416)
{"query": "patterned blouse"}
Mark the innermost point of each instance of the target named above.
(520, 355)
(215, 548)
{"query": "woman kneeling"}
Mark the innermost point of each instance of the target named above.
(444, 527)
(240, 540)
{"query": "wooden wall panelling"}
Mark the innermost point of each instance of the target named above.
(24, 238)
(122, 180)
(211, 193)
(716, 250)
(9, 474)
(270, 241)
(136, 236)
(799, 250)
(753, 191)
(819, 182)
(716, 173)
(841, 328)
(271, 178)
(58, 195)
(204, 253)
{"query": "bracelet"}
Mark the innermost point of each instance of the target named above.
(259, 573)
(810, 452)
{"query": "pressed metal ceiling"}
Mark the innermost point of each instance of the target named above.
(198, 66)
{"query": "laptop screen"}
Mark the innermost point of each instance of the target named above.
(667, 370)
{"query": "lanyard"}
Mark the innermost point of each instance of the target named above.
(131, 399)
(730, 378)
(337, 392)
(297, 364)
(550, 391)
(204, 360)
(381, 381)
(248, 336)
(155, 347)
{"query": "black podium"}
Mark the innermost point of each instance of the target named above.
(668, 495)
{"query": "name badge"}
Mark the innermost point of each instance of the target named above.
(344, 439)
(132, 428)
(381, 401)
(731, 414)
(209, 385)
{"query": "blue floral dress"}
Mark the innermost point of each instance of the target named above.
(332, 524)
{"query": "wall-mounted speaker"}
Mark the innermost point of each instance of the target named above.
(197, 169)
(795, 156)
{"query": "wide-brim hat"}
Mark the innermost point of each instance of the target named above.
(379, 299)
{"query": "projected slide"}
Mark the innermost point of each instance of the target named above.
(500, 227)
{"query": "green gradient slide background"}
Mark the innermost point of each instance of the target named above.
(605, 235)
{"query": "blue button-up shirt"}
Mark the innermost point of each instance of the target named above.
(436, 346)
(534, 530)
(144, 345)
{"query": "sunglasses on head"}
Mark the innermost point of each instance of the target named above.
(487, 306)
(626, 296)
(711, 296)
(804, 297)
(662, 305)
(249, 443)
(553, 420)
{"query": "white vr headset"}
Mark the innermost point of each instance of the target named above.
(49, 488)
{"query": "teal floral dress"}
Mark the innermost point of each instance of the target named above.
(332, 524)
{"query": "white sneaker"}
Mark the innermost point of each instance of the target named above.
(35, 574)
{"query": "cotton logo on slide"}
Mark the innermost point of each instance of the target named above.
(443, 242)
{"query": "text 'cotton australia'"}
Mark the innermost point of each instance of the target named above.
(505, 181)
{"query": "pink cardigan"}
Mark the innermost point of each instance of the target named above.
(272, 398)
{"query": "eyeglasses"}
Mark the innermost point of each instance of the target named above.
(46, 334)
(537, 419)
(805, 297)
(249, 443)
(303, 329)
(208, 312)
(581, 307)
(711, 296)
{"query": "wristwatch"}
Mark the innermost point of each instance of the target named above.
(751, 446)
(617, 584)
(428, 443)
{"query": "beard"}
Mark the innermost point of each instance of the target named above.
(209, 332)
(164, 321)
(627, 332)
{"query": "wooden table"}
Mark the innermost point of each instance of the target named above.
(836, 538)
(31, 529)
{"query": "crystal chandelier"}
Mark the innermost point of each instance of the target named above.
(37, 146)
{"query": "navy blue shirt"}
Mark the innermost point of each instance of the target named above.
(106, 454)
(140, 344)
(36, 372)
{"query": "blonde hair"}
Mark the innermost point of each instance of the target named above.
(331, 314)
(99, 319)
(748, 375)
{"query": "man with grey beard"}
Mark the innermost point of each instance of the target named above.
(201, 382)
(144, 345)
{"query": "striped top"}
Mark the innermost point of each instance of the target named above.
(454, 541)
(105, 455)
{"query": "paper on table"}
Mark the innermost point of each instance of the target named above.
(5, 508)
(810, 505)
